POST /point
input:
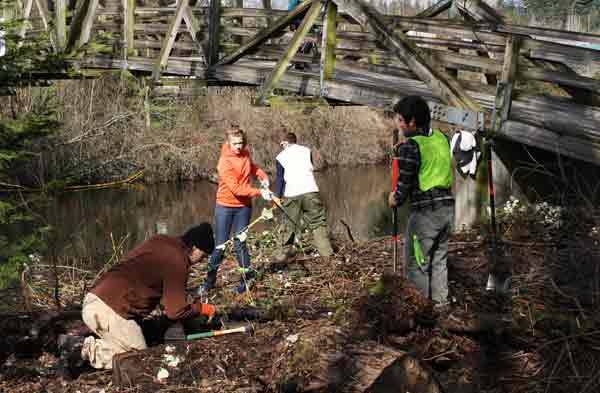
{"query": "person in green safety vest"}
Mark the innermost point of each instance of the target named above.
(424, 177)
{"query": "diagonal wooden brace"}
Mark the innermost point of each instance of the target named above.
(169, 40)
(421, 64)
(275, 75)
(267, 33)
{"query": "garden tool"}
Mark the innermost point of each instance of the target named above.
(285, 213)
(178, 334)
(242, 235)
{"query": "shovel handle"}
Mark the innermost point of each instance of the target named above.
(214, 333)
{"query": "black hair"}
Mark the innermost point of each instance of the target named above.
(414, 107)
(200, 236)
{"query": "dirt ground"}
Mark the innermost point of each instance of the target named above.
(323, 325)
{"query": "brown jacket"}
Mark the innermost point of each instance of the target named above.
(156, 269)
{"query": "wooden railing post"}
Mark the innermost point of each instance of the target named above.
(506, 84)
(128, 27)
(60, 24)
(328, 39)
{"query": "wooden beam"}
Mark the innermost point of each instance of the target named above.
(128, 27)
(266, 33)
(443, 85)
(435, 9)
(193, 26)
(60, 23)
(478, 10)
(81, 26)
(545, 139)
(584, 90)
(25, 14)
(45, 16)
(503, 100)
(328, 40)
(169, 39)
(301, 32)
(212, 50)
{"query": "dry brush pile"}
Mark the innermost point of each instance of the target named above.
(112, 128)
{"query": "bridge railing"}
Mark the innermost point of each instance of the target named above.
(541, 81)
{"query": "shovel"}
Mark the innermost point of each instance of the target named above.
(177, 334)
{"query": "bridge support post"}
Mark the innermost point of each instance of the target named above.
(328, 39)
(81, 26)
(60, 24)
(128, 27)
(214, 18)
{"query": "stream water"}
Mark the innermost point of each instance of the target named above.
(88, 223)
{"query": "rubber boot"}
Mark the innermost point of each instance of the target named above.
(284, 254)
(211, 280)
(321, 242)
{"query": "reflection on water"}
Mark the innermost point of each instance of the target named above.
(87, 223)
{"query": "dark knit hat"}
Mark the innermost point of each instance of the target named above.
(200, 236)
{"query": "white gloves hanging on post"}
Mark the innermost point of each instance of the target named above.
(465, 152)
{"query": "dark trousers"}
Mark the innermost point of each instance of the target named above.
(229, 221)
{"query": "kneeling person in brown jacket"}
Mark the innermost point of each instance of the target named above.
(154, 272)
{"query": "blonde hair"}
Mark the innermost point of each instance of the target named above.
(235, 131)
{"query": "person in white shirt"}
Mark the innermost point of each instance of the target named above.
(299, 195)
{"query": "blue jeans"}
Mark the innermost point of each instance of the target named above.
(229, 221)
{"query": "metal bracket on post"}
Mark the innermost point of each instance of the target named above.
(468, 119)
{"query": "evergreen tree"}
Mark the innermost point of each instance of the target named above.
(23, 58)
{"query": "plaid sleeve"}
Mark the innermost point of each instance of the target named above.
(408, 163)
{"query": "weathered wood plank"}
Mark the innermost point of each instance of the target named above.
(145, 44)
(445, 86)
(542, 138)
(212, 50)
(561, 78)
(60, 23)
(549, 33)
(25, 15)
(507, 82)
(478, 10)
(194, 28)
(252, 13)
(128, 26)
(81, 26)
(294, 45)
(328, 39)
(583, 58)
(436, 9)
(169, 39)
(45, 18)
(266, 33)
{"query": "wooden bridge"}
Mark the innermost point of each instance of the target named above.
(531, 85)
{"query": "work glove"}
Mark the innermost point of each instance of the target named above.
(208, 310)
(392, 200)
(266, 194)
(264, 183)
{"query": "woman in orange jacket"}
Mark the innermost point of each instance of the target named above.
(234, 204)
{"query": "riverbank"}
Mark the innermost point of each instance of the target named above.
(111, 128)
(309, 314)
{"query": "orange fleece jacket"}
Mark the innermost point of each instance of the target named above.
(235, 171)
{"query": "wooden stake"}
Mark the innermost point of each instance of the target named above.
(213, 32)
